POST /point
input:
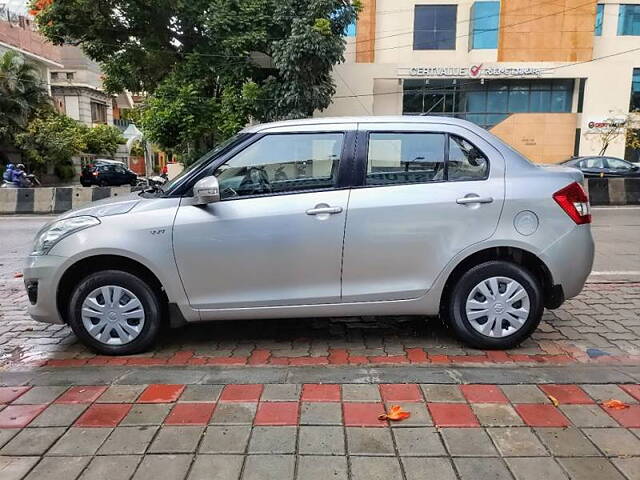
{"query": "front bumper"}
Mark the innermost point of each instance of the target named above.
(44, 271)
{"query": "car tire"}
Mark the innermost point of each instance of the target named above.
(133, 183)
(141, 330)
(506, 325)
(85, 184)
(103, 183)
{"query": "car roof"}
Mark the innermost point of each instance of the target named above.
(416, 119)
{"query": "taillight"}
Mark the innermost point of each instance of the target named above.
(575, 202)
(95, 174)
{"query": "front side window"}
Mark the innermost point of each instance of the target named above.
(282, 163)
(485, 19)
(635, 91)
(434, 27)
(597, 30)
(629, 20)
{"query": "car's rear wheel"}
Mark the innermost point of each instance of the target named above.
(115, 313)
(103, 183)
(495, 305)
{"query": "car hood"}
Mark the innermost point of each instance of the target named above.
(106, 206)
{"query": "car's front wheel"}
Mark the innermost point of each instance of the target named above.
(495, 305)
(115, 313)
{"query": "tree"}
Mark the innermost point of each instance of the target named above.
(22, 94)
(102, 139)
(208, 66)
(613, 129)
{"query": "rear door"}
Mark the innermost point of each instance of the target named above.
(425, 193)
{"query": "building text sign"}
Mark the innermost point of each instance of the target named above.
(473, 71)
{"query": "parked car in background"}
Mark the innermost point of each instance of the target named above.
(603, 167)
(324, 217)
(107, 173)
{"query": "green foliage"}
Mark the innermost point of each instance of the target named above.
(22, 94)
(102, 139)
(64, 171)
(51, 138)
(208, 66)
(137, 149)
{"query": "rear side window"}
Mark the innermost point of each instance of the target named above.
(405, 158)
(395, 158)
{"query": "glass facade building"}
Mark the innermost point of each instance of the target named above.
(485, 21)
(486, 103)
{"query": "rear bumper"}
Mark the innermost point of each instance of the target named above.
(570, 259)
(43, 271)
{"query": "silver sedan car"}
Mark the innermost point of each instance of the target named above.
(324, 217)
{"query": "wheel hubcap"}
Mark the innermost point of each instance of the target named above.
(497, 307)
(113, 315)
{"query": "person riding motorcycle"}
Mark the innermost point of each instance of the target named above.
(7, 176)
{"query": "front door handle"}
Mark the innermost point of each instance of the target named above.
(472, 198)
(324, 210)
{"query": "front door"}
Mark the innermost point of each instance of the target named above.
(425, 196)
(275, 238)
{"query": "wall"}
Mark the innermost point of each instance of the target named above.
(546, 30)
(53, 199)
(542, 137)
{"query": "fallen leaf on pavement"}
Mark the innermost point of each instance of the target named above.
(18, 275)
(554, 400)
(615, 404)
(395, 413)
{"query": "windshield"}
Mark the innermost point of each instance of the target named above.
(220, 148)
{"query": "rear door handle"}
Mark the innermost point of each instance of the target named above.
(473, 199)
(324, 211)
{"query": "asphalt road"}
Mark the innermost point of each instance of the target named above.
(616, 231)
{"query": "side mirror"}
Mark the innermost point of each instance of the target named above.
(206, 190)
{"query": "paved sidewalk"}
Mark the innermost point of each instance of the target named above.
(600, 325)
(316, 431)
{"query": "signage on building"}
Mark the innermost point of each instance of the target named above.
(473, 71)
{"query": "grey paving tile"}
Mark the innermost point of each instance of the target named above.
(604, 393)
(566, 442)
(234, 414)
(121, 394)
(128, 441)
(39, 395)
(419, 414)
(59, 415)
(80, 441)
(281, 392)
(524, 394)
(468, 442)
(535, 468)
(588, 416)
(216, 467)
(590, 468)
(321, 413)
(269, 467)
(273, 440)
(321, 440)
(146, 414)
(7, 434)
(360, 393)
(420, 441)
(375, 468)
(421, 468)
(614, 441)
(312, 467)
(201, 393)
(32, 441)
(369, 441)
(58, 468)
(154, 467)
(482, 468)
(225, 439)
(113, 467)
(629, 466)
(176, 440)
(442, 393)
(516, 442)
(496, 415)
(15, 468)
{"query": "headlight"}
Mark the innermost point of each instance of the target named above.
(53, 233)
